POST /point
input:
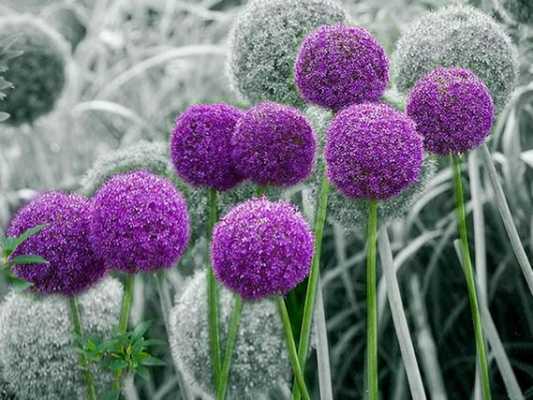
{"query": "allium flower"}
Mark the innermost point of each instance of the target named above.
(350, 213)
(260, 359)
(452, 109)
(261, 248)
(274, 145)
(339, 65)
(373, 152)
(38, 358)
(72, 265)
(458, 37)
(38, 74)
(265, 41)
(139, 223)
(201, 146)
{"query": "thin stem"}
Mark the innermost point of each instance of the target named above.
(399, 318)
(75, 319)
(310, 295)
(291, 347)
(231, 339)
(322, 348)
(127, 300)
(470, 281)
(507, 217)
(371, 301)
(212, 294)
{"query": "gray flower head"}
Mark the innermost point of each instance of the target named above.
(36, 341)
(260, 360)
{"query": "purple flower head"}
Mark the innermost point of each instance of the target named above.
(72, 266)
(453, 110)
(373, 151)
(201, 146)
(341, 65)
(139, 223)
(262, 248)
(274, 145)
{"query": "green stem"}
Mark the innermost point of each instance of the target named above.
(231, 339)
(212, 295)
(260, 190)
(310, 295)
(127, 300)
(371, 301)
(291, 347)
(470, 281)
(75, 319)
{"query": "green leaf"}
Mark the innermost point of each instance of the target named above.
(30, 259)
(11, 243)
(143, 372)
(151, 361)
(116, 365)
(141, 329)
(18, 284)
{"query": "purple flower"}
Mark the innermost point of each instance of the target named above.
(373, 151)
(139, 223)
(262, 248)
(274, 145)
(201, 146)
(340, 65)
(453, 110)
(72, 266)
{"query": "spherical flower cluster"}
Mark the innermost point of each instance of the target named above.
(262, 248)
(458, 37)
(339, 65)
(452, 109)
(66, 19)
(201, 146)
(274, 145)
(265, 41)
(350, 213)
(260, 360)
(372, 152)
(139, 223)
(72, 265)
(38, 74)
(36, 342)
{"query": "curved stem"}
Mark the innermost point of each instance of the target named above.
(291, 347)
(231, 339)
(470, 281)
(505, 212)
(75, 319)
(127, 300)
(371, 301)
(212, 294)
(310, 295)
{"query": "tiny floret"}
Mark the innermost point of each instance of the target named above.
(265, 41)
(139, 223)
(458, 37)
(372, 152)
(38, 74)
(201, 146)
(341, 65)
(274, 145)
(64, 242)
(452, 109)
(262, 248)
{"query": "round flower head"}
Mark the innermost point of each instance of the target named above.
(265, 41)
(261, 248)
(139, 223)
(72, 266)
(452, 109)
(200, 146)
(341, 65)
(458, 37)
(260, 360)
(37, 74)
(274, 145)
(351, 212)
(372, 152)
(38, 358)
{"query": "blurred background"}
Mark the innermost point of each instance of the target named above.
(136, 64)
